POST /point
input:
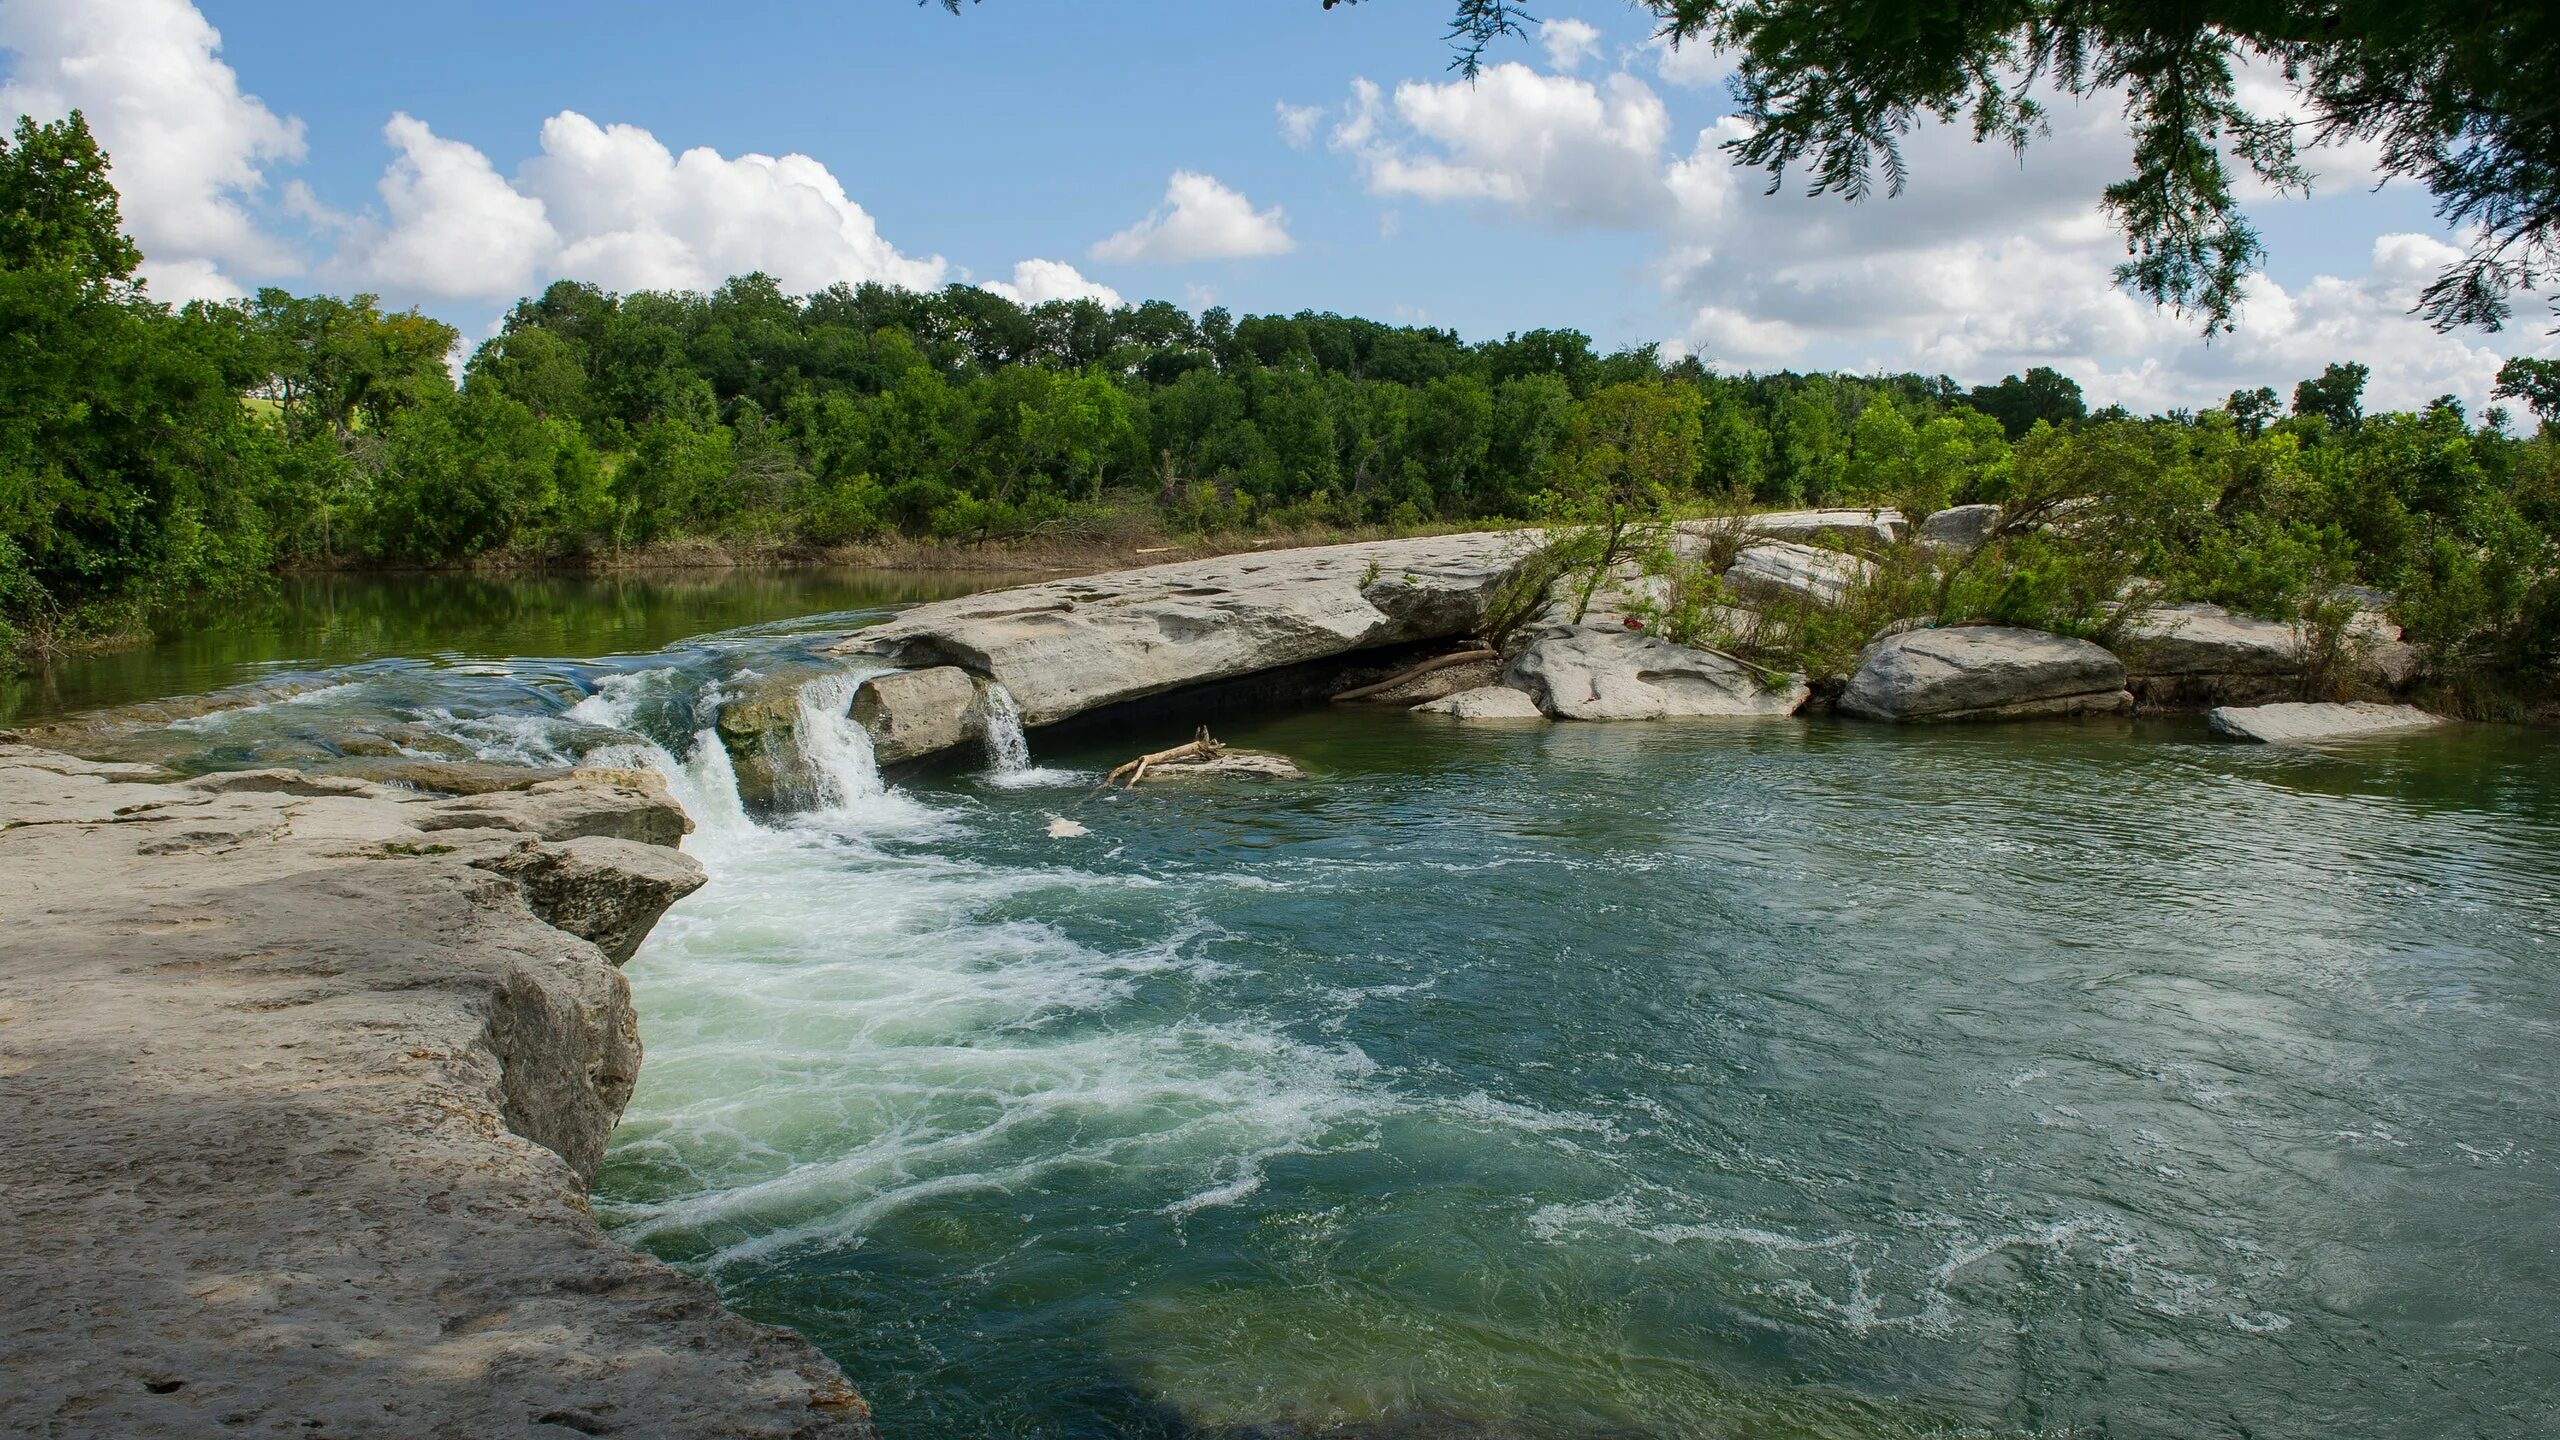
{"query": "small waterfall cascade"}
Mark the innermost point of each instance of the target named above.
(843, 771)
(1008, 749)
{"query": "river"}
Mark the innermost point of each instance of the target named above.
(1762, 1080)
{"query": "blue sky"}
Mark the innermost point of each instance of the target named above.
(455, 155)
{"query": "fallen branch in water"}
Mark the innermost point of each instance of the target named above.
(1200, 748)
(1437, 662)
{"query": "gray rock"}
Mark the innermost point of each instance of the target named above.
(1876, 527)
(301, 1101)
(1597, 674)
(1984, 672)
(2296, 724)
(1068, 646)
(1489, 702)
(2195, 655)
(1959, 530)
(598, 888)
(914, 713)
(1437, 684)
(2199, 639)
(1779, 571)
(621, 804)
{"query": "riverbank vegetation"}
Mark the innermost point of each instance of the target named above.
(150, 455)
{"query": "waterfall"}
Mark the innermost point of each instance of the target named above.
(1008, 750)
(834, 746)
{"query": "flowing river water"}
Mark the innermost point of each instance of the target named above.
(1766, 1080)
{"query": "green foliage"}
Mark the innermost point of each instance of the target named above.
(149, 455)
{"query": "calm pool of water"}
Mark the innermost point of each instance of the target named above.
(1801, 1079)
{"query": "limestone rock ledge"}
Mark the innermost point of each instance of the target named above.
(304, 1080)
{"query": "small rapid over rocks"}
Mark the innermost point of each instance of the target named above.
(1684, 1079)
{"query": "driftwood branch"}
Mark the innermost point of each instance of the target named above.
(1437, 662)
(1202, 747)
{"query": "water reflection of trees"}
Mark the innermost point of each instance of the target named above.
(336, 619)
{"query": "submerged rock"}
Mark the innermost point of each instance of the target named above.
(910, 714)
(2303, 723)
(1597, 674)
(1984, 672)
(303, 1089)
(1779, 571)
(1488, 702)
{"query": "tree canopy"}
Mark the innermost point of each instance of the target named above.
(2462, 96)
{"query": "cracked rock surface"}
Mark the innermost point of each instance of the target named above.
(303, 1080)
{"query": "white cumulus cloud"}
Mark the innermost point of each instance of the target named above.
(1568, 42)
(612, 205)
(1200, 219)
(1298, 123)
(454, 227)
(1037, 282)
(189, 151)
(1553, 148)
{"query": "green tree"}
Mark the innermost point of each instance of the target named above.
(2336, 397)
(2019, 402)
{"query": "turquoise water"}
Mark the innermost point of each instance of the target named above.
(1804, 1079)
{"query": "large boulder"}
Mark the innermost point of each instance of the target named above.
(910, 714)
(2295, 724)
(1777, 570)
(1959, 530)
(1984, 672)
(1490, 702)
(1068, 646)
(1872, 527)
(1600, 674)
(2195, 655)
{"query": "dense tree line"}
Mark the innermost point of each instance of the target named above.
(149, 453)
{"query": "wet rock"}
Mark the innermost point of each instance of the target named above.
(2296, 724)
(299, 1126)
(1489, 702)
(1787, 573)
(1599, 674)
(1984, 672)
(913, 713)
(1959, 530)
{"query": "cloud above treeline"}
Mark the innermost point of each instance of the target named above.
(1987, 264)
(1199, 219)
(608, 203)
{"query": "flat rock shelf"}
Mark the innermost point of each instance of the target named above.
(304, 1080)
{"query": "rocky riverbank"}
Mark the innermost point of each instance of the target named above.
(304, 1079)
(940, 676)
